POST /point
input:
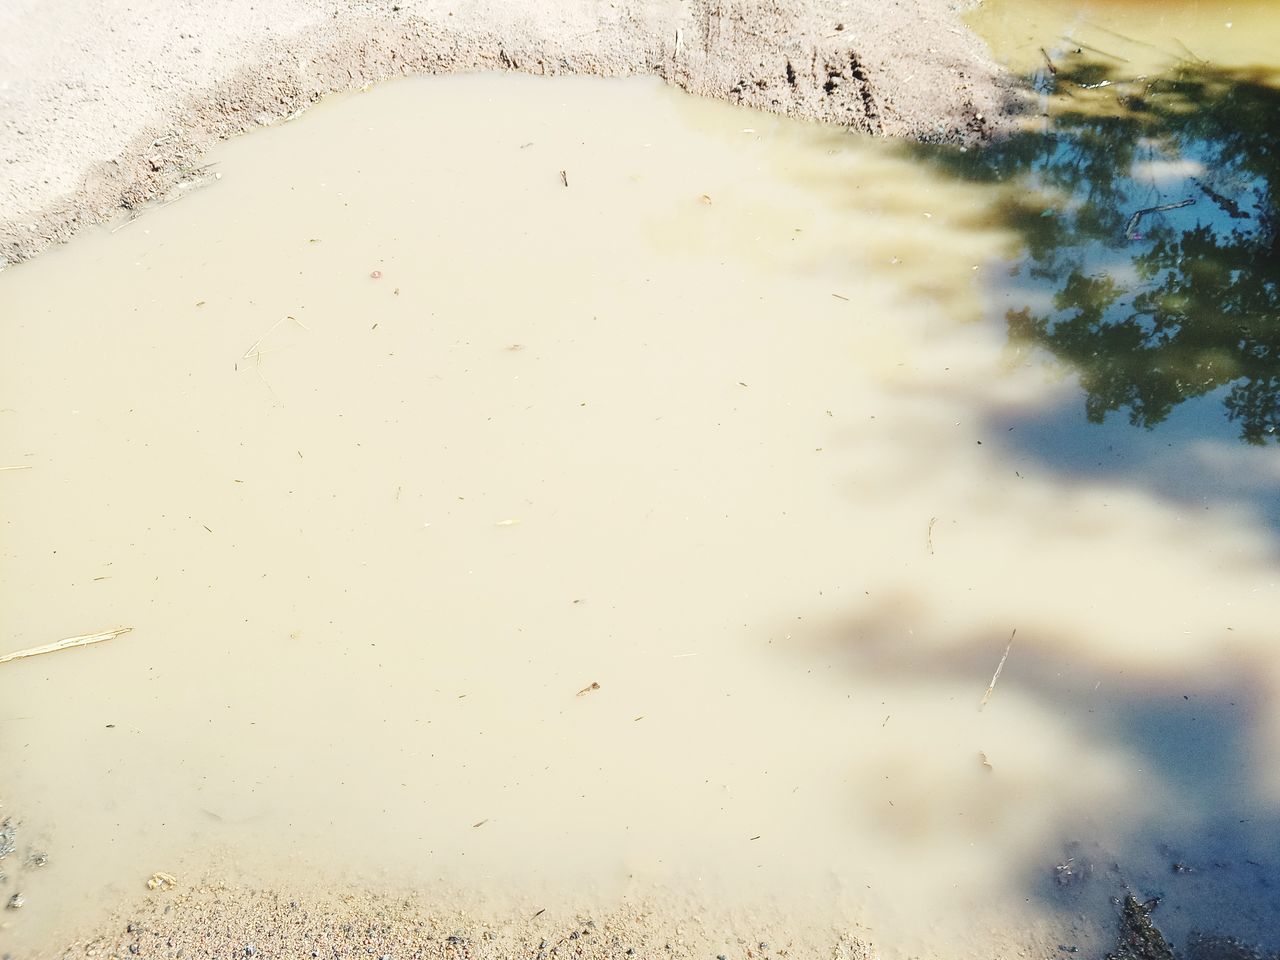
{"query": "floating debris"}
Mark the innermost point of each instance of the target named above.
(83, 641)
(587, 689)
(991, 687)
(1131, 226)
(8, 837)
(162, 881)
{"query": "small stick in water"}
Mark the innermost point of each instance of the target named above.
(1133, 221)
(1052, 69)
(1101, 53)
(991, 688)
(83, 641)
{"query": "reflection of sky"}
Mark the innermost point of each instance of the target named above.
(1194, 456)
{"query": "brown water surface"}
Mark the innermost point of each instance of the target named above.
(452, 400)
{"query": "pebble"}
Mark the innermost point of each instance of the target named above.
(16, 902)
(8, 837)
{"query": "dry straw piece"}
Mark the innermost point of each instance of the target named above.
(991, 688)
(67, 644)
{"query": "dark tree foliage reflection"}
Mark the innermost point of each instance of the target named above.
(1183, 302)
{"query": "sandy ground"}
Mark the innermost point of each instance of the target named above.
(106, 104)
(219, 920)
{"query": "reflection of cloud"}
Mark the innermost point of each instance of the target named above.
(1236, 469)
(1166, 173)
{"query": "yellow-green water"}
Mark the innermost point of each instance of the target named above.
(455, 398)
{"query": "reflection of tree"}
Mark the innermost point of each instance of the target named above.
(1190, 302)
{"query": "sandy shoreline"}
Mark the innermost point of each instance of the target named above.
(228, 920)
(104, 106)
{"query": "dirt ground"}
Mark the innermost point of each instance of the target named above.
(106, 104)
(219, 920)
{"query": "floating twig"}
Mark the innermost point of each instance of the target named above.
(564, 178)
(1048, 62)
(587, 689)
(1133, 221)
(70, 642)
(1091, 49)
(1191, 53)
(1127, 38)
(23, 466)
(929, 535)
(991, 687)
(254, 353)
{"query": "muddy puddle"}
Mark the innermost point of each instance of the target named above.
(567, 489)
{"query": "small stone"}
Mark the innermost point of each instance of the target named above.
(249, 950)
(133, 948)
(16, 902)
(8, 837)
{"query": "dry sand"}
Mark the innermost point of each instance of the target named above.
(106, 104)
(218, 920)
